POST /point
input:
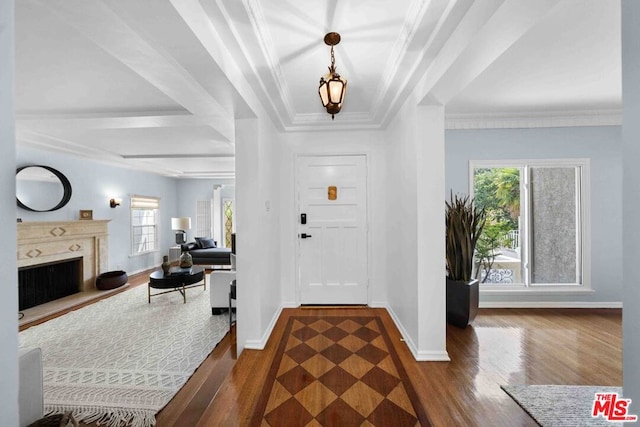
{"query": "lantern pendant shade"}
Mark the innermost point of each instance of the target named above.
(332, 90)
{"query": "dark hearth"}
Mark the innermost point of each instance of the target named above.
(42, 283)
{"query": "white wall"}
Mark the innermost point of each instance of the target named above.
(9, 264)
(631, 201)
(369, 143)
(93, 184)
(415, 231)
(402, 187)
(602, 145)
(405, 167)
(257, 232)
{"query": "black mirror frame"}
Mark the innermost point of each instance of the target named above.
(66, 185)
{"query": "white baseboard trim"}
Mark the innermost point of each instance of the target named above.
(131, 273)
(405, 336)
(433, 356)
(261, 344)
(549, 304)
(419, 356)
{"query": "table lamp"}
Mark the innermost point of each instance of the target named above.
(180, 225)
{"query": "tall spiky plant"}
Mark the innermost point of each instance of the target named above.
(464, 224)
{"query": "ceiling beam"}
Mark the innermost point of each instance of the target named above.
(179, 156)
(426, 30)
(49, 142)
(222, 126)
(488, 30)
(97, 22)
(210, 23)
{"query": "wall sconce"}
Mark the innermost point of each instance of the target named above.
(115, 202)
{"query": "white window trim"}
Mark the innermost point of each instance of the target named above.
(131, 238)
(585, 226)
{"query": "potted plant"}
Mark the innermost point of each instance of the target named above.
(464, 224)
(487, 250)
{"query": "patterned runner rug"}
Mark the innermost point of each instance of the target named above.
(337, 371)
(119, 361)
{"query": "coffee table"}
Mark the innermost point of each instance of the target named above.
(178, 280)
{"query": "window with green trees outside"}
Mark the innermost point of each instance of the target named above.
(535, 234)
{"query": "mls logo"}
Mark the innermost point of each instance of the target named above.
(612, 408)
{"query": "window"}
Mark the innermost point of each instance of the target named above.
(227, 206)
(144, 224)
(537, 222)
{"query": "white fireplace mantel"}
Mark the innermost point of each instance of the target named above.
(52, 241)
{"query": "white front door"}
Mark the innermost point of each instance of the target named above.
(332, 245)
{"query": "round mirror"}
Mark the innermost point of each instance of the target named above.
(41, 188)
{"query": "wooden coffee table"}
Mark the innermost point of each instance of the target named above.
(177, 280)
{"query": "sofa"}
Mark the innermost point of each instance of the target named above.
(219, 286)
(205, 251)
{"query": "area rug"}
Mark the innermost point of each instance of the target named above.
(560, 405)
(119, 361)
(337, 370)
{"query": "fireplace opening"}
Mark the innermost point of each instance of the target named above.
(42, 283)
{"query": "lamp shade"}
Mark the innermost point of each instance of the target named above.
(183, 223)
(332, 90)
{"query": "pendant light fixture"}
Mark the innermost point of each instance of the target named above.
(332, 86)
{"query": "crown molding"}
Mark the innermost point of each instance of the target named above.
(264, 41)
(322, 122)
(207, 175)
(537, 119)
(412, 22)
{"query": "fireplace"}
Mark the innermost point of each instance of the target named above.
(42, 283)
(47, 244)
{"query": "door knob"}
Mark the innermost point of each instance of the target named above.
(305, 236)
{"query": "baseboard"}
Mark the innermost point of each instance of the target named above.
(419, 356)
(549, 304)
(144, 270)
(433, 356)
(261, 344)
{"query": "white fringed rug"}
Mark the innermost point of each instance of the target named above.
(121, 360)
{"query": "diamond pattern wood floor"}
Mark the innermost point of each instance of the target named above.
(337, 371)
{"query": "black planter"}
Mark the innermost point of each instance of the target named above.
(462, 302)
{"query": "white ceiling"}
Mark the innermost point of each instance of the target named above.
(156, 84)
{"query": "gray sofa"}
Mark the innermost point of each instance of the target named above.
(203, 254)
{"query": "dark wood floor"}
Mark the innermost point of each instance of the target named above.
(504, 346)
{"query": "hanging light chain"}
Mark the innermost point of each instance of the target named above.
(333, 61)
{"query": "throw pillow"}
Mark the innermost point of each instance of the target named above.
(189, 246)
(207, 243)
